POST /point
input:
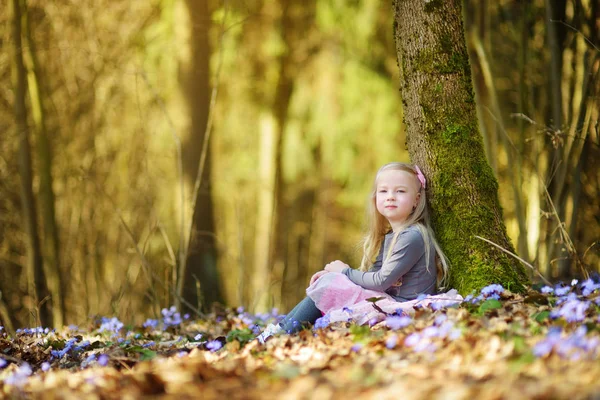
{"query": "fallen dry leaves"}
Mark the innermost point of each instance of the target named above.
(490, 357)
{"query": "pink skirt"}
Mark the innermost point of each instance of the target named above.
(336, 295)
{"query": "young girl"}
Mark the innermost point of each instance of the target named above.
(405, 258)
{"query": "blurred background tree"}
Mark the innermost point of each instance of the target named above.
(306, 109)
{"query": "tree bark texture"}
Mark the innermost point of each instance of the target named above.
(51, 243)
(38, 289)
(200, 278)
(444, 140)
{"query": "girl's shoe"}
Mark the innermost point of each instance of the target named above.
(269, 331)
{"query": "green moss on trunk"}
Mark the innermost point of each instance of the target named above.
(463, 191)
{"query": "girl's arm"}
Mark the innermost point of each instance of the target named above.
(409, 248)
(378, 261)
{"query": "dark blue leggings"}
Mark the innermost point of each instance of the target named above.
(305, 312)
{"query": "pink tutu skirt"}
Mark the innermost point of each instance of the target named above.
(343, 300)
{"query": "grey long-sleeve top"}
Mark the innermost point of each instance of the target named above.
(404, 274)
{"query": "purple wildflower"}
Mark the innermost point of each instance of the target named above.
(322, 322)
(150, 323)
(214, 345)
(110, 325)
(45, 366)
(89, 359)
(589, 286)
(3, 363)
(572, 310)
(492, 289)
(171, 317)
(547, 289)
(356, 347)
(561, 291)
(19, 377)
(412, 339)
(103, 360)
(393, 322)
(391, 342)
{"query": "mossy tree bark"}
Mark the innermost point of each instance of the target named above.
(444, 140)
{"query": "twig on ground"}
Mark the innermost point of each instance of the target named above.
(546, 281)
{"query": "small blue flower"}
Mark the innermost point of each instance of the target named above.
(589, 286)
(150, 323)
(214, 345)
(547, 289)
(89, 359)
(19, 377)
(45, 366)
(198, 337)
(111, 325)
(3, 363)
(491, 289)
(412, 339)
(356, 347)
(394, 322)
(103, 360)
(322, 322)
(391, 342)
(561, 291)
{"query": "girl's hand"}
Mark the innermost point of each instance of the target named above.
(317, 276)
(336, 266)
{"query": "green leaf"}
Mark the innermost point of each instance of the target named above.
(491, 304)
(241, 335)
(360, 332)
(375, 299)
(541, 316)
(147, 354)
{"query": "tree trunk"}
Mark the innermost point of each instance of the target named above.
(198, 280)
(46, 193)
(35, 268)
(443, 139)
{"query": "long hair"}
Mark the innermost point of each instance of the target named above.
(378, 226)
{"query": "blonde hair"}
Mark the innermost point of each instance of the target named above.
(378, 226)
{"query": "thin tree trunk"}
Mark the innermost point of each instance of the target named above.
(46, 193)
(35, 268)
(443, 139)
(198, 278)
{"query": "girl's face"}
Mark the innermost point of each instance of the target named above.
(397, 193)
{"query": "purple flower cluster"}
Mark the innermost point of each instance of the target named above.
(492, 291)
(574, 346)
(34, 331)
(151, 323)
(171, 317)
(322, 322)
(19, 376)
(214, 345)
(70, 346)
(424, 340)
(395, 322)
(110, 325)
(571, 309)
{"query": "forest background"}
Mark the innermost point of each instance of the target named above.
(187, 152)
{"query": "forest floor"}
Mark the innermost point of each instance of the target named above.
(497, 345)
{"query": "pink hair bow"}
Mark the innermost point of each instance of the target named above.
(420, 176)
